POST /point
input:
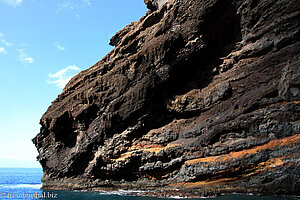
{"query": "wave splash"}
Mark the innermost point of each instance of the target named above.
(33, 186)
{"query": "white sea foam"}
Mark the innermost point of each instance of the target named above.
(186, 197)
(177, 197)
(121, 192)
(131, 191)
(34, 186)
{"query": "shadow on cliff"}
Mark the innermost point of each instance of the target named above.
(220, 35)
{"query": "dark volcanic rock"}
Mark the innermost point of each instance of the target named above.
(198, 96)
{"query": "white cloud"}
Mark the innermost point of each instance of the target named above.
(29, 60)
(3, 40)
(74, 4)
(2, 50)
(12, 2)
(63, 76)
(87, 2)
(66, 6)
(24, 58)
(6, 43)
(59, 46)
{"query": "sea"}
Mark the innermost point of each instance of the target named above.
(25, 183)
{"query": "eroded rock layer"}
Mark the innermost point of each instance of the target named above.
(197, 96)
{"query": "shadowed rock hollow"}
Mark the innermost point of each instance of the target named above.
(199, 97)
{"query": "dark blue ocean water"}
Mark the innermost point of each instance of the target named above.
(21, 183)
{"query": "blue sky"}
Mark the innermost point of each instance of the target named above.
(43, 43)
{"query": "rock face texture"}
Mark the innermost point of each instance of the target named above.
(199, 97)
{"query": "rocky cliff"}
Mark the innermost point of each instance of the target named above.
(199, 96)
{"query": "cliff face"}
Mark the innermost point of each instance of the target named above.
(198, 96)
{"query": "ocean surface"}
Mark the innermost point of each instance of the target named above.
(25, 183)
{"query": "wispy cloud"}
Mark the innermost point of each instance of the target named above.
(6, 43)
(67, 6)
(59, 46)
(3, 41)
(24, 57)
(29, 60)
(74, 4)
(12, 2)
(2, 50)
(87, 2)
(62, 77)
